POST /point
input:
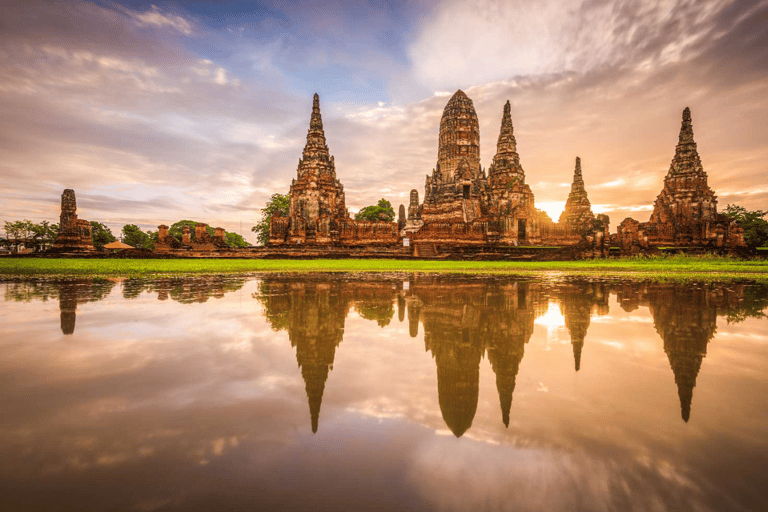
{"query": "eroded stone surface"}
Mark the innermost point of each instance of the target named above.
(577, 214)
(318, 214)
(74, 234)
(685, 212)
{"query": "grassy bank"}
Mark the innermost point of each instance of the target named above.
(670, 267)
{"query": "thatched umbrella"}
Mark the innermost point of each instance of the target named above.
(118, 246)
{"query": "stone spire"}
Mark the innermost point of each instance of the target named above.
(459, 136)
(686, 198)
(316, 147)
(686, 160)
(578, 180)
(505, 170)
(507, 145)
(578, 211)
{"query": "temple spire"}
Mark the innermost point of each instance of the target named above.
(507, 144)
(686, 130)
(578, 180)
(316, 146)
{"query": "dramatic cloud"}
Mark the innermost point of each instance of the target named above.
(155, 114)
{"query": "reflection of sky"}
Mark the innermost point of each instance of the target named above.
(209, 398)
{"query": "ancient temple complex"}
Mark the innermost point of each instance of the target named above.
(466, 211)
(74, 234)
(685, 212)
(461, 204)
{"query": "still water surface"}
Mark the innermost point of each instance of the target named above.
(383, 392)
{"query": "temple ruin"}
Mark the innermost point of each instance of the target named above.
(467, 212)
(685, 212)
(74, 234)
(461, 204)
(201, 243)
(318, 214)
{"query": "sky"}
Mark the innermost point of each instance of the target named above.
(157, 112)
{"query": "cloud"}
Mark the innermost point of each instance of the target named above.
(498, 40)
(156, 18)
(97, 99)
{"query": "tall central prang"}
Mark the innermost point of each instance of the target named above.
(454, 190)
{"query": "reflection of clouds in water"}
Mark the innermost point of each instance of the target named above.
(465, 475)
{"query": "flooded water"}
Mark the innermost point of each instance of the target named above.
(393, 392)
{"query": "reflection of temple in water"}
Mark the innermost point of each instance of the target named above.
(313, 313)
(460, 324)
(313, 310)
(578, 301)
(685, 318)
(72, 293)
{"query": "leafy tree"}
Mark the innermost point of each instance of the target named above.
(381, 211)
(101, 235)
(277, 203)
(235, 240)
(177, 229)
(45, 233)
(135, 237)
(19, 234)
(755, 226)
(25, 233)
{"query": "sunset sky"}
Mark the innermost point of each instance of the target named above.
(157, 112)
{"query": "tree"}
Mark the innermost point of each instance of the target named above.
(101, 235)
(177, 229)
(382, 211)
(19, 234)
(755, 226)
(235, 240)
(277, 203)
(135, 237)
(45, 233)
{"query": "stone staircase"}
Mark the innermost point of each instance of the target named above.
(423, 250)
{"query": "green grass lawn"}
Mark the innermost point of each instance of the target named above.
(658, 267)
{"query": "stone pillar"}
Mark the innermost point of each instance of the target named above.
(200, 231)
(413, 207)
(162, 233)
(186, 238)
(220, 234)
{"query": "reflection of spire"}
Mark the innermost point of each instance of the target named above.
(72, 293)
(685, 318)
(456, 344)
(313, 312)
(400, 308)
(686, 369)
(505, 365)
(68, 306)
(314, 379)
(576, 305)
(508, 332)
(413, 319)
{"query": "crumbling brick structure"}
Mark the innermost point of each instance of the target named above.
(202, 242)
(318, 214)
(685, 212)
(461, 204)
(74, 234)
